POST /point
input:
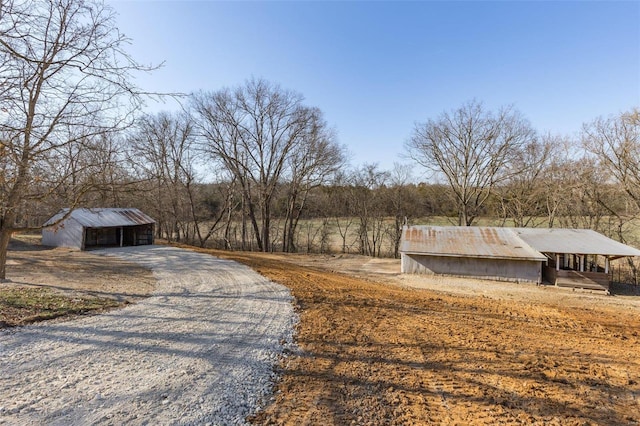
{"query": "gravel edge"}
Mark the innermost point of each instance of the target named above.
(203, 349)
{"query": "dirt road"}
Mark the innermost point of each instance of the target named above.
(200, 350)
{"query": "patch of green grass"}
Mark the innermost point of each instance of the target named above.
(24, 305)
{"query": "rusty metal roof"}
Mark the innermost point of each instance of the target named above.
(467, 241)
(574, 241)
(104, 217)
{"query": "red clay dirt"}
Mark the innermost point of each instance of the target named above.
(372, 353)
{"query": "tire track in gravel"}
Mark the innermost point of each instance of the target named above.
(201, 350)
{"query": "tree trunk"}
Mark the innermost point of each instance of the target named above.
(266, 223)
(5, 236)
(254, 223)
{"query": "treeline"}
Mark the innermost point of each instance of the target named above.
(368, 220)
(249, 167)
(358, 211)
(253, 168)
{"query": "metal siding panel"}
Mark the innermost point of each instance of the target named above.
(484, 268)
(67, 233)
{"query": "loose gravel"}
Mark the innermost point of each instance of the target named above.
(201, 350)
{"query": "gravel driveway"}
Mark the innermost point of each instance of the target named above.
(201, 350)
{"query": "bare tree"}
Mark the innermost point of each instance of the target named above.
(162, 151)
(62, 65)
(471, 148)
(340, 206)
(615, 142)
(256, 131)
(310, 165)
(522, 195)
(224, 207)
(110, 178)
(401, 200)
(90, 171)
(558, 179)
(370, 210)
(582, 191)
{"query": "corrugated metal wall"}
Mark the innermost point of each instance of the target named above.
(496, 269)
(67, 234)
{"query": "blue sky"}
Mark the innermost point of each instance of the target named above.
(376, 68)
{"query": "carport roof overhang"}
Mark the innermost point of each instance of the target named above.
(574, 241)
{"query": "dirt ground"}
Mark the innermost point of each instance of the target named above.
(379, 348)
(375, 351)
(72, 272)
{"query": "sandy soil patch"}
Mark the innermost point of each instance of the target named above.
(387, 271)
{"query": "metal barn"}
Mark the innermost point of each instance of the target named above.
(490, 253)
(96, 228)
(578, 258)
